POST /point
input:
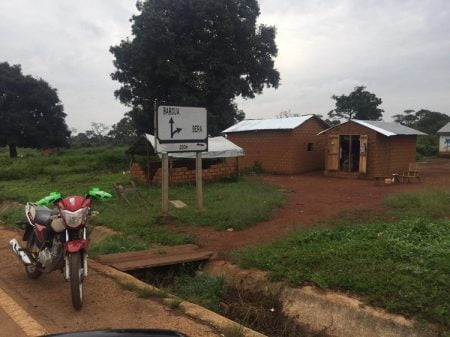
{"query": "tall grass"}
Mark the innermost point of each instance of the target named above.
(31, 164)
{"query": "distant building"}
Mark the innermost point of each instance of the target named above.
(444, 140)
(359, 148)
(280, 145)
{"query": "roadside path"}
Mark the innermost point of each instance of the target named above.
(9, 327)
(47, 302)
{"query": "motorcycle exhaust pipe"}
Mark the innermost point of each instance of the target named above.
(19, 252)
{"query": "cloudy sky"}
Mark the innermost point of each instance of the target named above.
(399, 49)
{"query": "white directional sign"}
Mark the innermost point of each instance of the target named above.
(181, 129)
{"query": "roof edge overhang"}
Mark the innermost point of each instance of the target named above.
(377, 129)
(322, 122)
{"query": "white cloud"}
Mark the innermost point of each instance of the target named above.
(399, 49)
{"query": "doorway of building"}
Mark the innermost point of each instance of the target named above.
(349, 153)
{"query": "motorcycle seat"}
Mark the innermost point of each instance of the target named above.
(43, 215)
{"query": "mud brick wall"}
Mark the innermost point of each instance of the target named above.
(282, 151)
(182, 175)
(138, 173)
(402, 152)
(385, 155)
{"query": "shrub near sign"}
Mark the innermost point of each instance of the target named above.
(181, 129)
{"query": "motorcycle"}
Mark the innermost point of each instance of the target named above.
(56, 238)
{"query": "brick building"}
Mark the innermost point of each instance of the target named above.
(283, 145)
(360, 148)
(182, 165)
(444, 140)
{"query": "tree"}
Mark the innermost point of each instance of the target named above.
(360, 104)
(80, 140)
(31, 113)
(123, 132)
(332, 122)
(99, 130)
(409, 118)
(424, 120)
(430, 121)
(286, 114)
(194, 53)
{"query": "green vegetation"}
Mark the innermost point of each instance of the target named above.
(175, 303)
(427, 146)
(234, 331)
(143, 292)
(402, 264)
(419, 204)
(147, 293)
(32, 164)
(228, 204)
(203, 289)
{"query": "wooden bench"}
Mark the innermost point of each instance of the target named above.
(412, 175)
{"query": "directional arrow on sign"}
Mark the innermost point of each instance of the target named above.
(172, 132)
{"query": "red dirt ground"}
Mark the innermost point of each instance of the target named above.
(314, 197)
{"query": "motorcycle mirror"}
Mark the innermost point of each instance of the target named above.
(49, 199)
(97, 193)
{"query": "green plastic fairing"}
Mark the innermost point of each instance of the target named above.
(99, 194)
(49, 199)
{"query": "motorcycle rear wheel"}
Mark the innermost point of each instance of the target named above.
(76, 280)
(33, 270)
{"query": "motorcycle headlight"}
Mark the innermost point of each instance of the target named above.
(74, 219)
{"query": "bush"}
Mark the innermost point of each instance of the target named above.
(428, 145)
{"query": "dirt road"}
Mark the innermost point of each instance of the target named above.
(47, 301)
(314, 197)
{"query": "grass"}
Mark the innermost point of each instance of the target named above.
(143, 292)
(203, 289)
(227, 204)
(402, 265)
(31, 164)
(147, 293)
(175, 303)
(419, 204)
(234, 331)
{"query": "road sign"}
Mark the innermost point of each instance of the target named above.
(182, 147)
(181, 129)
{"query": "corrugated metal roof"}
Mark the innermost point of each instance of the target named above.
(385, 128)
(445, 128)
(289, 123)
(389, 128)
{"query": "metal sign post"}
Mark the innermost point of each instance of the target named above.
(180, 129)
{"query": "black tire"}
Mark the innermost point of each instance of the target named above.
(32, 250)
(76, 280)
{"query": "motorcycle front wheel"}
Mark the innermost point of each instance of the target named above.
(76, 279)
